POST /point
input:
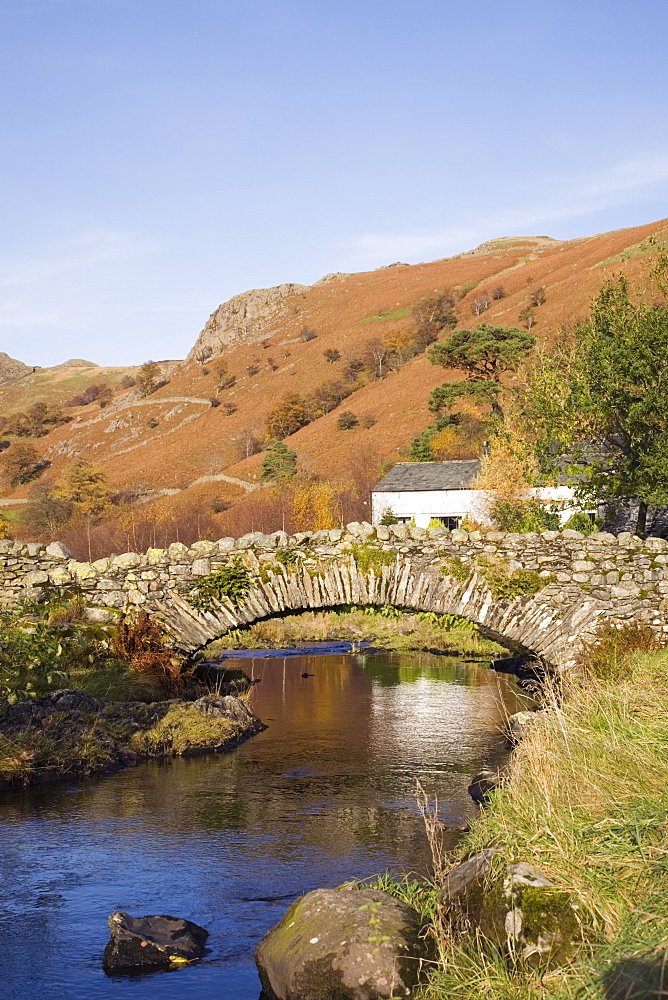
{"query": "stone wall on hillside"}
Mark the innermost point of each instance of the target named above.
(542, 594)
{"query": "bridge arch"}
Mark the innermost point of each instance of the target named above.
(540, 594)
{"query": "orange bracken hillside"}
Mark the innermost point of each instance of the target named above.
(176, 441)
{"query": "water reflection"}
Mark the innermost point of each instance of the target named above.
(323, 795)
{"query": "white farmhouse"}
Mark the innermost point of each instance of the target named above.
(444, 491)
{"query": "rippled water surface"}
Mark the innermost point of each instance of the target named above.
(324, 795)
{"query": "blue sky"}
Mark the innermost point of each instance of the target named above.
(159, 156)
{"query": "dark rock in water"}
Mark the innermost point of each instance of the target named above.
(483, 784)
(151, 944)
(343, 944)
(229, 707)
(519, 724)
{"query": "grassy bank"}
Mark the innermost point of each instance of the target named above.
(586, 804)
(387, 628)
(105, 737)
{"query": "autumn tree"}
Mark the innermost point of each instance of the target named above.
(22, 464)
(84, 487)
(46, 510)
(508, 473)
(148, 377)
(286, 418)
(433, 315)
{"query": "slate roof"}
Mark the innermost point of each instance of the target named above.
(407, 477)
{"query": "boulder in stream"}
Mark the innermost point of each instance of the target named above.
(343, 944)
(151, 944)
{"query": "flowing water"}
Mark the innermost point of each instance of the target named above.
(325, 794)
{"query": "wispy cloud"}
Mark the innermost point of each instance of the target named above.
(82, 252)
(608, 188)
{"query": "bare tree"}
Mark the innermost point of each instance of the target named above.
(480, 303)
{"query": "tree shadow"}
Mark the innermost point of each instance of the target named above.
(644, 978)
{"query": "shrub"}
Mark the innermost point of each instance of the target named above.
(229, 409)
(272, 364)
(505, 586)
(214, 401)
(279, 462)
(153, 423)
(368, 421)
(287, 557)
(523, 517)
(128, 382)
(232, 582)
(456, 569)
(347, 421)
(499, 293)
(369, 557)
(580, 521)
(307, 333)
(140, 644)
(219, 504)
(252, 370)
(609, 655)
(538, 297)
(332, 354)
(388, 517)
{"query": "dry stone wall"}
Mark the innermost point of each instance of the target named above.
(581, 580)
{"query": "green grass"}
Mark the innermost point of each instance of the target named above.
(405, 631)
(586, 804)
(380, 317)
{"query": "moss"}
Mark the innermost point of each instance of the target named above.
(182, 730)
(288, 557)
(456, 569)
(520, 583)
(370, 557)
(547, 911)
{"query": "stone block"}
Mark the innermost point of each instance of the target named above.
(225, 544)
(201, 567)
(177, 552)
(127, 560)
(36, 579)
(58, 551)
(155, 556)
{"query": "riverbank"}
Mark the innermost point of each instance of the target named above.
(585, 804)
(71, 733)
(386, 628)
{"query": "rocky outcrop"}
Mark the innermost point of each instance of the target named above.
(151, 944)
(11, 369)
(343, 944)
(248, 317)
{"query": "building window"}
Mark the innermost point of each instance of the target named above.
(447, 521)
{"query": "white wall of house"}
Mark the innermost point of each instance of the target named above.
(423, 505)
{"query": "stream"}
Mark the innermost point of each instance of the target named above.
(325, 794)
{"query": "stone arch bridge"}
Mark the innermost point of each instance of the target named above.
(538, 594)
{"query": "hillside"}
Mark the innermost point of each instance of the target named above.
(175, 450)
